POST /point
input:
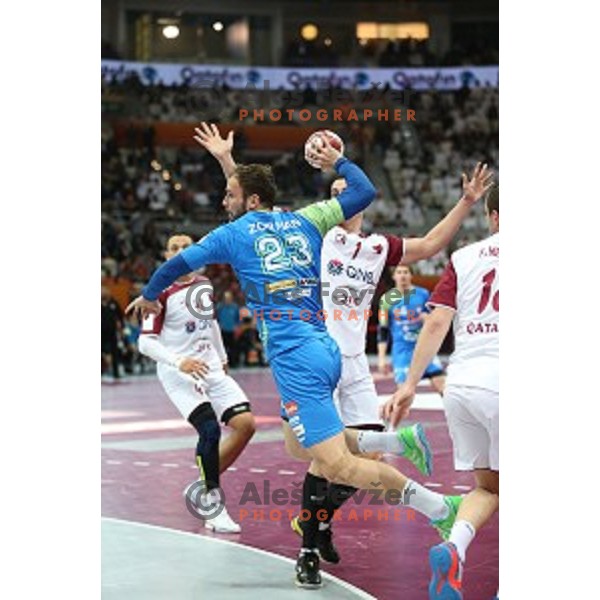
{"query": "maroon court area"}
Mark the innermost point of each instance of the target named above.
(148, 459)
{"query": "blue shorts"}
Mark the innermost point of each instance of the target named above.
(401, 363)
(306, 377)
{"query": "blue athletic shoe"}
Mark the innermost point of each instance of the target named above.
(446, 573)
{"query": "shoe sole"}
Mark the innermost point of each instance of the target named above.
(440, 562)
(208, 525)
(308, 586)
(297, 529)
(423, 446)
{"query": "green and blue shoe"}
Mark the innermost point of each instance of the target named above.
(444, 526)
(416, 447)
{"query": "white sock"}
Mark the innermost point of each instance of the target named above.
(461, 536)
(431, 504)
(379, 441)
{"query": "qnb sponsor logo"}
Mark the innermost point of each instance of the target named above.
(335, 267)
(472, 328)
(360, 274)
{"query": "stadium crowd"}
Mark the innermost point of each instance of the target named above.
(149, 191)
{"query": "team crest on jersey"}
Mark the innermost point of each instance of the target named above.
(291, 408)
(378, 248)
(335, 267)
(190, 326)
(340, 238)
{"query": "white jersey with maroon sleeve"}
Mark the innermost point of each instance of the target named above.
(470, 285)
(187, 333)
(351, 266)
(186, 328)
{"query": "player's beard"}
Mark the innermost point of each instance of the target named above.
(234, 216)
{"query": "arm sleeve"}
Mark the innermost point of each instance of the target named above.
(395, 250)
(444, 293)
(217, 341)
(355, 198)
(151, 346)
(211, 249)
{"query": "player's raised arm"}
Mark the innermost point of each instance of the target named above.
(208, 136)
(357, 196)
(441, 235)
(211, 249)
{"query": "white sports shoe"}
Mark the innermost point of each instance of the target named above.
(222, 522)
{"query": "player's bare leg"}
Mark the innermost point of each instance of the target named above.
(332, 460)
(438, 382)
(292, 445)
(243, 428)
(335, 494)
(447, 559)
(479, 505)
(366, 443)
(369, 442)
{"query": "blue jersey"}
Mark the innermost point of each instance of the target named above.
(404, 316)
(276, 257)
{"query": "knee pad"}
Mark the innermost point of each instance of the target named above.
(204, 420)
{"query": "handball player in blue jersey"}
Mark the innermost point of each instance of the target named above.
(276, 258)
(402, 312)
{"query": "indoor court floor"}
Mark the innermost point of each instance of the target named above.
(153, 548)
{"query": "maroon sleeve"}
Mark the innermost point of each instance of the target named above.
(395, 250)
(444, 293)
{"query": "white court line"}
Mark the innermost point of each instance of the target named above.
(141, 463)
(257, 470)
(232, 468)
(348, 586)
(170, 465)
(120, 414)
(113, 462)
(461, 487)
(137, 426)
(433, 485)
(282, 472)
(423, 401)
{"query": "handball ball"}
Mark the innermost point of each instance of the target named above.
(316, 140)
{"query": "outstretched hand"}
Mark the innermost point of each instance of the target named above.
(142, 307)
(208, 136)
(481, 181)
(398, 406)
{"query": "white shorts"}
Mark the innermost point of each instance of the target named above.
(474, 423)
(355, 396)
(221, 390)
